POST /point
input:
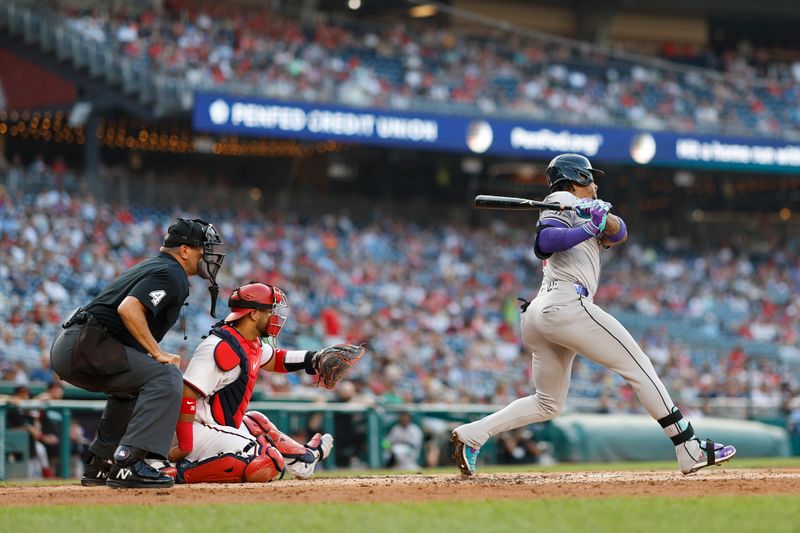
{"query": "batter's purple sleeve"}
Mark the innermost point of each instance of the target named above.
(557, 239)
(618, 236)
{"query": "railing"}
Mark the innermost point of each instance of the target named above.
(377, 417)
(279, 412)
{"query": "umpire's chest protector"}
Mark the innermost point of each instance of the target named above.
(229, 404)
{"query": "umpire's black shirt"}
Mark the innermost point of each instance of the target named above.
(162, 286)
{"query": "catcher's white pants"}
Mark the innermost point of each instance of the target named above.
(557, 324)
(213, 439)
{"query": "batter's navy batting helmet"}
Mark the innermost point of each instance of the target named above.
(571, 167)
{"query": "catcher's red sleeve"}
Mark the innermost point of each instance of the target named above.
(280, 361)
(183, 430)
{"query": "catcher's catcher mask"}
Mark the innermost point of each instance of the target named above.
(259, 296)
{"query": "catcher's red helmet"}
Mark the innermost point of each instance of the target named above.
(259, 296)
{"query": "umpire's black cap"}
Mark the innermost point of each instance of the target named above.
(189, 232)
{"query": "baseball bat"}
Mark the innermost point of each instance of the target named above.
(487, 201)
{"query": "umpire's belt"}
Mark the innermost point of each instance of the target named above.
(78, 316)
(557, 284)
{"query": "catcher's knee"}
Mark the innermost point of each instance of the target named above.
(265, 467)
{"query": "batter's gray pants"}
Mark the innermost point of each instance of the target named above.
(143, 402)
(557, 324)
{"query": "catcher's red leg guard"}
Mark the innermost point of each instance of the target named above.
(227, 468)
(258, 424)
(265, 467)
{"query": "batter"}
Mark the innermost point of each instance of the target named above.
(562, 320)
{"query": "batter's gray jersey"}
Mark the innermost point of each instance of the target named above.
(579, 264)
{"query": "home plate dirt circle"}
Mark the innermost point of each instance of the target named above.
(425, 487)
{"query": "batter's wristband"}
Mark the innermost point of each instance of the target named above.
(618, 236)
(591, 229)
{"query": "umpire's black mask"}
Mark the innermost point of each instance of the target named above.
(197, 233)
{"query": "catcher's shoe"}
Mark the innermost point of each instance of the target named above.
(95, 473)
(464, 455)
(321, 443)
(695, 454)
(165, 467)
(320, 447)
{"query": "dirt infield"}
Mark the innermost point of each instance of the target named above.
(415, 488)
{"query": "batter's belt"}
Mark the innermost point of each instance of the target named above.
(564, 285)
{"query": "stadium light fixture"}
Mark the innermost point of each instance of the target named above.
(423, 11)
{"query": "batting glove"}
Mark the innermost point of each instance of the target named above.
(583, 208)
(602, 203)
(597, 222)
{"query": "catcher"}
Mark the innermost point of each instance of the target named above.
(217, 438)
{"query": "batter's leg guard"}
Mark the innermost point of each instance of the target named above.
(691, 452)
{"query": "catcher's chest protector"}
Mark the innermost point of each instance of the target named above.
(229, 404)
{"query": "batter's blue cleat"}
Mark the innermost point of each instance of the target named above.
(464, 455)
(695, 454)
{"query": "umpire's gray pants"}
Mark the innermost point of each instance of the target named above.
(143, 402)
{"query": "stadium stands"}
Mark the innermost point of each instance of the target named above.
(436, 304)
(261, 52)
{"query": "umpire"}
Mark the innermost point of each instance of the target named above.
(111, 346)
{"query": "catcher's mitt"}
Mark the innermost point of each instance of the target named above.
(333, 362)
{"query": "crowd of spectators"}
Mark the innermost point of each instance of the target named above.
(259, 50)
(435, 303)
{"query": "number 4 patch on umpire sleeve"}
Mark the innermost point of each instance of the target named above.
(157, 296)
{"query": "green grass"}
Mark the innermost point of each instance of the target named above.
(651, 514)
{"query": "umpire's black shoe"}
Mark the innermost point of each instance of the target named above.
(95, 473)
(131, 471)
